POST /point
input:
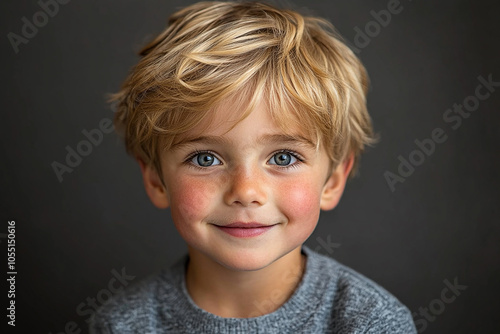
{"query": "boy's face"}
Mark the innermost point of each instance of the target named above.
(253, 174)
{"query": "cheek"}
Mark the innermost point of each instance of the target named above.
(191, 200)
(300, 201)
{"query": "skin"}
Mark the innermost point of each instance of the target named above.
(245, 277)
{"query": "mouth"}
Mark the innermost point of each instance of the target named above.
(245, 230)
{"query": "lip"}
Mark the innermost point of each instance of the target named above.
(245, 230)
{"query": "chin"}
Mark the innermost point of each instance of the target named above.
(248, 260)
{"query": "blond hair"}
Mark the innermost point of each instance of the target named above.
(213, 51)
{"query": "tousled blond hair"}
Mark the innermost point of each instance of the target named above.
(214, 51)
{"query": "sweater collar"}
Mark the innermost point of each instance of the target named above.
(197, 320)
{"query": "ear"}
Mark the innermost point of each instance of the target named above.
(154, 187)
(334, 186)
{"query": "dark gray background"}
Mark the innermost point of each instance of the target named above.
(441, 223)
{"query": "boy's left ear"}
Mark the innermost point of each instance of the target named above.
(334, 186)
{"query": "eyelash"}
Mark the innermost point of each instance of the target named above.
(297, 156)
(294, 154)
(194, 154)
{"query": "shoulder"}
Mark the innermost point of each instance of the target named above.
(139, 307)
(359, 304)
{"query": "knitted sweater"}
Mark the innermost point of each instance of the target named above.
(331, 298)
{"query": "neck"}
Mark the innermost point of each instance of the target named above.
(230, 293)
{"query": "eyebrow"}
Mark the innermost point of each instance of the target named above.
(283, 138)
(265, 139)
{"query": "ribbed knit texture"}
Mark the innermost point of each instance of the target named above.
(331, 298)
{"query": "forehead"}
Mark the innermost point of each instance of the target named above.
(242, 116)
(230, 112)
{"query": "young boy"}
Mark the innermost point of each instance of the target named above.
(246, 121)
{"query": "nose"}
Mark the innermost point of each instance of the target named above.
(247, 187)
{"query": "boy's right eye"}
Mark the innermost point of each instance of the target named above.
(205, 159)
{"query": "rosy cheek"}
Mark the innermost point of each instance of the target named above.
(191, 200)
(300, 201)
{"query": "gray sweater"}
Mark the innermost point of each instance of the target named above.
(331, 298)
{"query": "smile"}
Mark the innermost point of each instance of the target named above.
(245, 230)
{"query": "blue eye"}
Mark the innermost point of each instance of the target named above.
(282, 159)
(205, 159)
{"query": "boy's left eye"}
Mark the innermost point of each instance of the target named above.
(282, 159)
